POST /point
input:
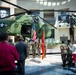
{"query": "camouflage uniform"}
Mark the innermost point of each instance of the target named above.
(33, 50)
(45, 49)
(69, 57)
(63, 49)
(28, 47)
(28, 50)
(38, 49)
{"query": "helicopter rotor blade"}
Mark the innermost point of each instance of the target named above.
(14, 15)
(52, 10)
(48, 22)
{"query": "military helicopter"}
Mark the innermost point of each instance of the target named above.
(24, 22)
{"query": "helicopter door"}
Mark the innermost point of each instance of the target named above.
(26, 29)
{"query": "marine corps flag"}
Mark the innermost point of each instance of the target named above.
(43, 44)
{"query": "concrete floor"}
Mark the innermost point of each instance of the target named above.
(51, 65)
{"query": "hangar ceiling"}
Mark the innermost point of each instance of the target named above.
(47, 4)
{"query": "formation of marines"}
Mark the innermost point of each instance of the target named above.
(34, 49)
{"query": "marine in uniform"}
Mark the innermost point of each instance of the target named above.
(33, 49)
(38, 49)
(28, 48)
(63, 49)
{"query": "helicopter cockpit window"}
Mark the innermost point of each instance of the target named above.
(26, 29)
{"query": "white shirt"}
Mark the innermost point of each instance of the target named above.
(73, 49)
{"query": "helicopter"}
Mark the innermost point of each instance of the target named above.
(24, 22)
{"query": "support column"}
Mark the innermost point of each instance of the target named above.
(12, 11)
(57, 38)
(71, 30)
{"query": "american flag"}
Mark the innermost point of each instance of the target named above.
(34, 33)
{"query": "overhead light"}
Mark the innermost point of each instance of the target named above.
(41, 2)
(68, 0)
(63, 2)
(45, 3)
(49, 3)
(58, 3)
(52, 3)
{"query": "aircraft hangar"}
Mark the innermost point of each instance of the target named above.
(48, 9)
(59, 14)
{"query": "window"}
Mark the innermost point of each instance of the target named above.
(63, 17)
(49, 16)
(4, 12)
(52, 33)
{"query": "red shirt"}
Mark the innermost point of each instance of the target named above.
(8, 55)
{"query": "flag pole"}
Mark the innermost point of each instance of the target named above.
(43, 43)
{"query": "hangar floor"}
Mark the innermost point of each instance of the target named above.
(51, 65)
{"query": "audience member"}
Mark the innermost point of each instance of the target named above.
(63, 49)
(8, 55)
(73, 49)
(22, 49)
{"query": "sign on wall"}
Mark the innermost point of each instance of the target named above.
(63, 17)
(4, 12)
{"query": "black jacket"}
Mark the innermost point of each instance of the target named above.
(22, 50)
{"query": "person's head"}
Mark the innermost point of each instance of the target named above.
(62, 42)
(3, 36)
(21, 38)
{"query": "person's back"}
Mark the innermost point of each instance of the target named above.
(8, 55)
(22, 50)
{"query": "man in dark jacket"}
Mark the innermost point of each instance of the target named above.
(22, 49)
